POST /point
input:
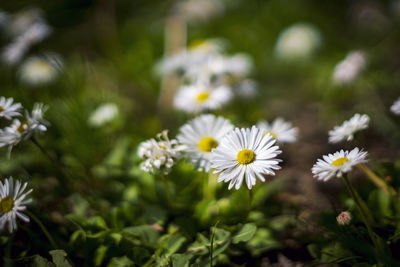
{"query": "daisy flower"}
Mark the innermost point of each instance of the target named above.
(200, 97)
(245, 154)
(159, 155)
(338, 163)
(12, 203)
(200, 136)
(347, 130)
(349, 69)
(282, 131)
(35, 120)
(103, 115)
(39, 70)
(395, 108)
(8, 109)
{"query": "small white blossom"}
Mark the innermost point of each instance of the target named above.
(281, 130)
(347, 130)
(12, 203)
(39, 70)
(395, 108)
(347, 70)
(9, 109)
(336, 164)
(103, 115)
(159, 155)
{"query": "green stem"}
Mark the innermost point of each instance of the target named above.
(212, 244)
(365, 214)
(43, 228)
(167, 190)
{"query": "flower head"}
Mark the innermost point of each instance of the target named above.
(159, 155)
(201, 96)
(347, 130)
(348, 69)
(103, 115)
(282, 131)
(395, 108)
(12, 203)
(200, 136)
(338, 163)
(39, 70)
(245, 154)
(8, 109)
(344, 218)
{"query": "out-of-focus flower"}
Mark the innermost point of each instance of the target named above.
(35, 120)
(347, 130)
(14, 51)
(246, 88)
(200, 10)
(159, 155)
(245, 154)
(22, 20)
(344, 218)
(395, 108)
(201, 96)
(9, 109)
(103, 114)
(281, 130)
(12, 203)
(40, 70)
(200, 136)
(347, 70)
(338, 163)
(298, 42)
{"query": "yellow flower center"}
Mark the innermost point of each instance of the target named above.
(1, 108)
(197, 43)
(340, 161)
(246, 156)
(203, 96)
(22, 128)
(207, 144)
(6, 204)
(163, 147)
(271, 133)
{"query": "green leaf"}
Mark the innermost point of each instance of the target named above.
(39, 261)
(60, 258)
(145, 233)
(100, 254)
(180, 260)
(263, 241)
(120, 262)
(245, 234)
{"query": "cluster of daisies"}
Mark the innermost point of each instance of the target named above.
(209, 77)
(22, 127)
(24, 30)
(212, 142)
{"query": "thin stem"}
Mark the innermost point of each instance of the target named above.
(167, 190)
(365, 213)
(43, 228)
(212, 244)
(379, 182)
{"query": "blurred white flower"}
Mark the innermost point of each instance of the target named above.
(40, 70)
(159, 155)
(35, 33)
(344, 218)
(14, 51)
(24, 19)
(281, 130)
(395, 108)
(9, 109)
(299, 41)
(201, 96)
(347, 130)
(200, 10)
(35, 120)
(338, 163)
(103, 114)
(12, 203)
(347, 70)
(245, 154)
(247, 88)
(200, 136)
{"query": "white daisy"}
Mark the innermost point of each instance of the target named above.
(338, 163)
(299, 41)
(200, 136)
(347, 130)
(348, 69)
(12, 203)
(201, 96)
(39, 70)
(281, 130)
(8, 109)
(35, 120)
(103, 115)
(395, 108)
(245, 154)
(159, 155)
